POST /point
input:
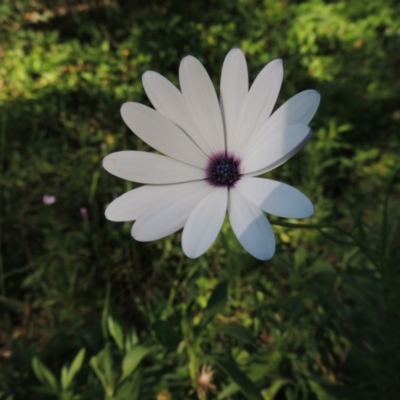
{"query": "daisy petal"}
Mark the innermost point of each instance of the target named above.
(259, 102)
(169, 101)
(251, 226)
(204, 223)
(234, 88)
(132, 204)
(274, 148)
(299, 109)
(199, 92)
(141, 167)
(169, 214)
(275, 197)
(162, 134)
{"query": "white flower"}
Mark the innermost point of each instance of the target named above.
(213, 151)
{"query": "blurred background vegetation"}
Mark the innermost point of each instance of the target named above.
(87, 313)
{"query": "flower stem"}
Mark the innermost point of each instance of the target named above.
(192, 348)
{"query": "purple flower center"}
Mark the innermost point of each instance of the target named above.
(223, 170)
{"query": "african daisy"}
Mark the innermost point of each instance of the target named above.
(213, 151)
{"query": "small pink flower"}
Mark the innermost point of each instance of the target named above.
(84, 213)
(49, 199)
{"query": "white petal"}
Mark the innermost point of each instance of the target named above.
(204, 223)
(251, 226)
(234, 88)
(274, 148)
(259, 102)
(141, 167)
(169, 101)
(275, 197)
(170, 212)
(134, 203)
(202, 101)
(299, 109)
(162, 134)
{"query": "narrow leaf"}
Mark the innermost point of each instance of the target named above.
(44, 374)
(237, 331)
(216, 303)
(130, 388)
(102, 364)
(116, 332)
(74, 368)
(320, 391)
(272, 391)
(94, 363)
(64, 378)
(247, 387)
(131, 339)
(166, 335)
(132, 359)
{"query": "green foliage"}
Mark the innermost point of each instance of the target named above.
(87, 313)
(63, 389)
(68, 374)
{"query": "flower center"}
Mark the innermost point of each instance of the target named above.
(223, 170)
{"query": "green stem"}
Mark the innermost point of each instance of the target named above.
(3, 293)
(192, 348)
(384, 228)
(106, 312)
(192, 367)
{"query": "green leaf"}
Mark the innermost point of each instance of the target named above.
(237, 331)
(94, 363)
(328, 391)
(130, 389)
(320, 392)
(166, 335)
(272, 391)
(247, 387)
(64, 378)
(228, 391)
(216, 303)
(116, 332)
(68, 376)
(102, 364)
(321, 267)
(131, 339)
(132, 359)
(44, 374)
